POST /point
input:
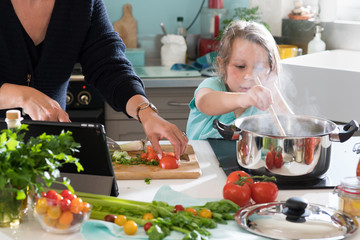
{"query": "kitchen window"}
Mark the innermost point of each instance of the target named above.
(348, 10)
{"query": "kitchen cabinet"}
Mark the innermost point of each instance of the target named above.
(172, 103)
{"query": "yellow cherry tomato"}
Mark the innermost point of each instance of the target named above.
(191, 210)
(130, 227)
(41, 206)
(148, 216)
(120, 220)
(205, 213)
(54, 212)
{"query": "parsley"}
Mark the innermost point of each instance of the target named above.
(147, 180)
(123, 157)
(22, 162)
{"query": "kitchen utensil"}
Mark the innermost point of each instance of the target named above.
(296, 219)
(189, 168)
(273, 113)
(163, 28)
(305, 151)
(126, 27)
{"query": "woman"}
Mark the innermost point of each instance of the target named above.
(41, 40)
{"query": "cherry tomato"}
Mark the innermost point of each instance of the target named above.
(66, 193)
(234, 176)
(53, 197)
(191, 210)
(130, 227)
(65, 204)
(148, 216)
(269, 160)
(110, 218)
(263, 192)
(43, 194)
(62, 226)
(179, 208)
(49, 221)
(66, 218)
(147, 226)
(239, 194)
(205, 213)
(76, 205)
(86, 207)
(120, 220)
(278, 160)
(309, 150)
(54, 212)
(169, 162)
(41, 206)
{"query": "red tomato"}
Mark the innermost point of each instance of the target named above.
(147, 226)
(53, 197)
(239, 194)
(66, 194)
(310, 144)
(169, 154)
(143, 156)
(234, 176)
(269, 160)
(169, 162)
(263, 192)
(151, 154)
(179, 208)
(110, 218)
(65, 204)
(278, 160)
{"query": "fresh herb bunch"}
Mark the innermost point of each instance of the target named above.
(246, 14)
(22, 163)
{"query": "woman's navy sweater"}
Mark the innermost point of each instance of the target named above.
(79, 31)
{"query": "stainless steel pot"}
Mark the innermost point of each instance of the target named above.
(305, 151)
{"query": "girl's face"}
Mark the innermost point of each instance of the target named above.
(247, 61)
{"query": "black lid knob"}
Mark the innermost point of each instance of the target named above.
(295, 209)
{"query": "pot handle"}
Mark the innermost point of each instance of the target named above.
(346, 132)
(227, 131)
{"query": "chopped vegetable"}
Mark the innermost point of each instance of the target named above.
(147, 180)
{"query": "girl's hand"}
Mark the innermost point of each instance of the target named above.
(260, 97)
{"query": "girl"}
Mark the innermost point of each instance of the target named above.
(247, 51)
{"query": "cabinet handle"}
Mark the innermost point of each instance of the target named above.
(172, 103)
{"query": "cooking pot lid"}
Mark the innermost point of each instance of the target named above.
(296, 219)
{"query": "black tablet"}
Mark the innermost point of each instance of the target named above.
(94, 153)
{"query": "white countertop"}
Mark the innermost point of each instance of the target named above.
(209, 185)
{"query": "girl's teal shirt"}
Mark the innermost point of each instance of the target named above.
(199, 125)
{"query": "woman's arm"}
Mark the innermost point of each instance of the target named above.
(33, 102)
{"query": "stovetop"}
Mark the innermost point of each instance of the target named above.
(225, 152)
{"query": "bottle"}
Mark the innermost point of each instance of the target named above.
(180, 27)
(316, 44)
(13, 119)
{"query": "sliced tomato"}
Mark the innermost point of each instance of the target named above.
(234, 176)
(151, 155)
(143, 156)
(169, 162)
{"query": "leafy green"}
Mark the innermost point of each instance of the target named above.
(147, 180)
(21, 163)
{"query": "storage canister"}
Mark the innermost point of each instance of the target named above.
(349, 195)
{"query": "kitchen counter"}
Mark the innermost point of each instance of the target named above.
(209, 185)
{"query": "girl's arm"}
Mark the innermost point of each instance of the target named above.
(214, 103)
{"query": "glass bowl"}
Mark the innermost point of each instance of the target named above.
(55, 216)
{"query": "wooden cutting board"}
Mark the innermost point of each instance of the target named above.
(189, 168)
(126, 27)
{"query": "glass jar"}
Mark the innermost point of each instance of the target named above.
(349, 195)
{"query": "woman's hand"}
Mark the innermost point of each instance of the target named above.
(156, 128)
(33, 102)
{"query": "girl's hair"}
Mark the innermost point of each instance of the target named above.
(253, 32)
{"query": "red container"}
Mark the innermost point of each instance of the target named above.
(207, 46)
(216, 3)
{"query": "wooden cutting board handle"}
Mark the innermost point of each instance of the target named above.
(127, 27)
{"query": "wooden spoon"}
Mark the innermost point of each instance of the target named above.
(273, 113)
